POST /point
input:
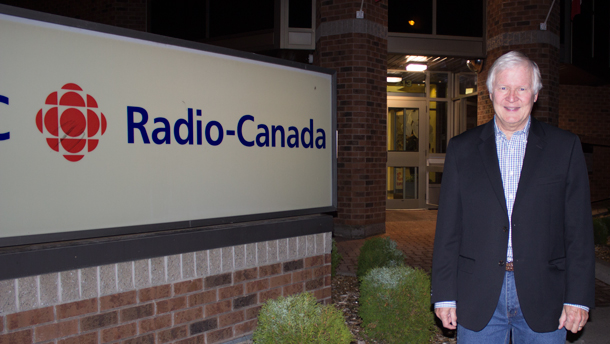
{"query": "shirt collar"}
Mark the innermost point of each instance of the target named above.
(519, 135)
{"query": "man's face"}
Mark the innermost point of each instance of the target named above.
(513, 98)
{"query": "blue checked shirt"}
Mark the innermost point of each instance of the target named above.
(510, 158)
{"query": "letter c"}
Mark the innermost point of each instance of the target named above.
(4, 136)
(240, 133)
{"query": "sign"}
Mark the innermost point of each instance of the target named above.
(102, 131)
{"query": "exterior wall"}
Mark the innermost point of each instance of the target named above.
(129, 14)
(210, 296)
(515, 25)
(599, 181)
(357, 50)
(583, 110)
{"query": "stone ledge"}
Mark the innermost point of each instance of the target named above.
(358, 232)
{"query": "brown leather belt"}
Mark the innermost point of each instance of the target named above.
(509, 266)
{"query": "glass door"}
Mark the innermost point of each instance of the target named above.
(407, 149)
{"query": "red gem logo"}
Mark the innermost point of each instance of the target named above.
(71, 121)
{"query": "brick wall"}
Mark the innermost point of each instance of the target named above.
(583, 110)
(209, 296)
(129, 14)
(515, 25)
(519, 16)
(357, 50)
(599, 181)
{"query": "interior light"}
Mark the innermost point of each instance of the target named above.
(416, 67)
(411, 22)
(394, 79)
(416, 58)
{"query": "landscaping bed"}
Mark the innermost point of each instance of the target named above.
(602, 252)
(345, 295)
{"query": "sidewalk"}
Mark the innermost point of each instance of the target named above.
(413, 231)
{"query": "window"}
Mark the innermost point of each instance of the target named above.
(229, 17)
(299, 14)
(403, 130)
(402, 183)
(459, 18)
(438, 127)
(452, 17)
(411, 84)
(410, 16)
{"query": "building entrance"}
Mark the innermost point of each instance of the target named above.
(425, 109)
(407, 149)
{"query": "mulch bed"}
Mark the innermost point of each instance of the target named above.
(603, 252)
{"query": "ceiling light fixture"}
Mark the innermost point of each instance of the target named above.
(416, 58)
(416, 67)
(394, 79)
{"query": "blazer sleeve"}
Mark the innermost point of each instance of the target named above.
(448, 231)
(578, 227)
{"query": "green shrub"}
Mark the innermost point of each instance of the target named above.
(335, 259)
(378, 252)
(300, 319)
(601, 230)
(395, 305)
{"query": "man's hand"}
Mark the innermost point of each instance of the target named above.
(572, 318)
(448, 315)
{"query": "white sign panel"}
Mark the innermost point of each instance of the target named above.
(104, 131)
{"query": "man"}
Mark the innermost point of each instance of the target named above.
(513, 252)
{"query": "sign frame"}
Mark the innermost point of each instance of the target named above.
(186, 224)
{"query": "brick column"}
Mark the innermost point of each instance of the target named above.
(515, 25)
(357, 50)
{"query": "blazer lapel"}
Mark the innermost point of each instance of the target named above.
(489, 154)
(533, 151)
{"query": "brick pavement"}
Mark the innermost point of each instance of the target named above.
(413, 231)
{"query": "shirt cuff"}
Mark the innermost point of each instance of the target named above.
(444, 304)
(567, 304)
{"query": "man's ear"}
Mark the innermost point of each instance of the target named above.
(535, 97)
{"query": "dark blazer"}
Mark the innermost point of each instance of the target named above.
(552, 232)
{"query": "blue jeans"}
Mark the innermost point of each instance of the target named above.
(507, 320)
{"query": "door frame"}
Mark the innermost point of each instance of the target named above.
(410, 159)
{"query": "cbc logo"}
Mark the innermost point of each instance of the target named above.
(71, 122)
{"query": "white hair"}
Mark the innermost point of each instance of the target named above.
(511, 60)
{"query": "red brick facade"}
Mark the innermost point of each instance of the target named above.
(515, 25)
(584, 110)
(212, 309)
(357, 50)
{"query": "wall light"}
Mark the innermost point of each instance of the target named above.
(411, 22)
(394, 79)
(416, 67)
